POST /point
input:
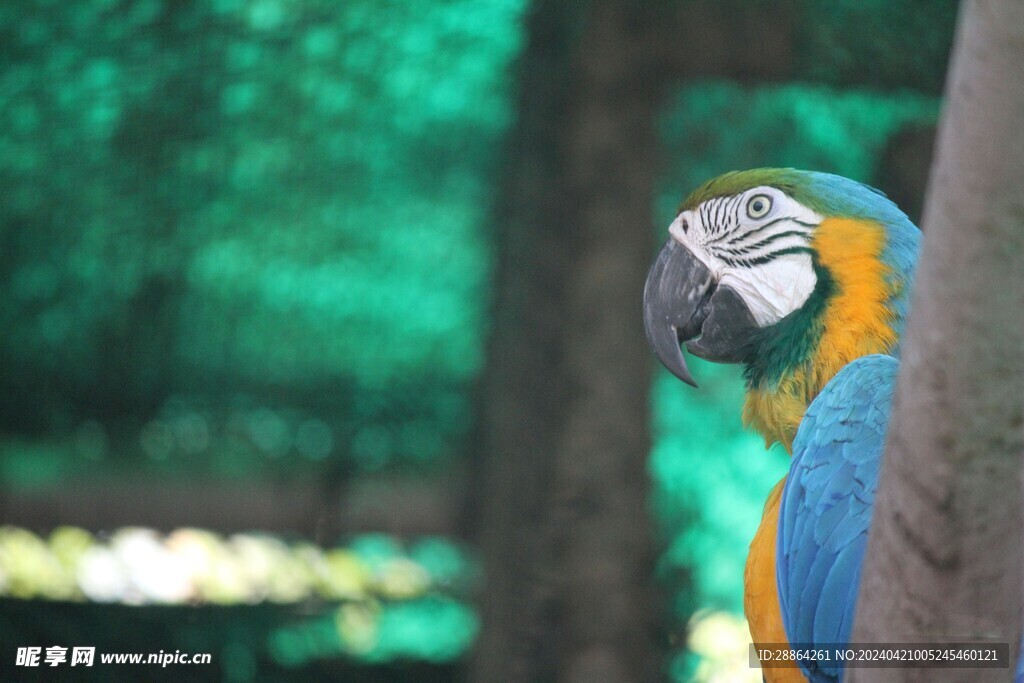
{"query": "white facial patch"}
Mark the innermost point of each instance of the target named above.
(757, 243)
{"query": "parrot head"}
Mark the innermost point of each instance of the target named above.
(791, 273)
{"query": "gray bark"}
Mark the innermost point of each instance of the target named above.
(945, 554)
(561, 508)
(563, 524)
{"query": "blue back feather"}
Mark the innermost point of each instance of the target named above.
(825, 509)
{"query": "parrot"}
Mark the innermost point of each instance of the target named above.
(804, 279)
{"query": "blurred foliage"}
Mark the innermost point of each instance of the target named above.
(244, 640)
(710, 481)
(852, 42)
(289, 206)
(399, 600)
(240, 237)
(138, 566)
(718, 126)
(434, 629)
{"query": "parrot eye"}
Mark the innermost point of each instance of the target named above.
(685, 226)
(759, 205)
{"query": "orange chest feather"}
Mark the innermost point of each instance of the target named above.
(760, 596)
(856, 322)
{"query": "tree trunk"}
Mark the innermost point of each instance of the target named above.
(564, 529)
(560, 509)
(944, 559)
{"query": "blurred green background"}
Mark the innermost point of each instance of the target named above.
(250, 261)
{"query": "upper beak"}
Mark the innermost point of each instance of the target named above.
(675, 305)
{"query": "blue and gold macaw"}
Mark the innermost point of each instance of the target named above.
(804, 279)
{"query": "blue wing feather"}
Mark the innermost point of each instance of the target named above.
(825, 509)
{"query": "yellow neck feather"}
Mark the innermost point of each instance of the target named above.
(856, 322)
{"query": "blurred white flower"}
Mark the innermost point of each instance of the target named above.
(154, 573)
(722, 641)
(101, 576)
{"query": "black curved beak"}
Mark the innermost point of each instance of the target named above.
(676, 299)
